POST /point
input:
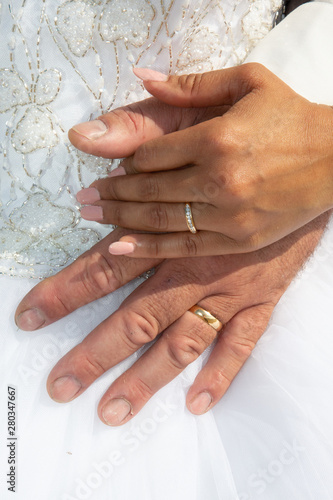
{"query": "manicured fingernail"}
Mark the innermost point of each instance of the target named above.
(30, 320)
(150, 74)
(121, 248)
(87, 196)
(92, 213)
(91, 130)
(117, 171)
(116, 410)
(201, 403)
(64, 389)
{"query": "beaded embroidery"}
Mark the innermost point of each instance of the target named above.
(69, 61)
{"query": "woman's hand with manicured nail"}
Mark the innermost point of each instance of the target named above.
(121, 248)
(88, 196)
(252, 173)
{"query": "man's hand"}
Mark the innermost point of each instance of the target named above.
(240, 290)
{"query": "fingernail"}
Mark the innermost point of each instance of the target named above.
(121, 248)
(92, 213)
(117, 171)
(91, 130)
(64, 389)
(88, 195)
(116, 410)
(150, 74)
(201, 403)
(31, 319)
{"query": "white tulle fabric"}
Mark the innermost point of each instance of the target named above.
(271, 436)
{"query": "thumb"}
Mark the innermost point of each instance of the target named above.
(119, 133)
(214, 88)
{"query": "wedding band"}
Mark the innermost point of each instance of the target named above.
(189, 218)
(207, 317)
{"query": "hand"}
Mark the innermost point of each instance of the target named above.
(240, 290)
(252, 175)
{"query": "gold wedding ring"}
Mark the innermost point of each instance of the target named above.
(207, 317)
(189, 218)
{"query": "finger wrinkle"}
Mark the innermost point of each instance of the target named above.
(91, 366)
(139, 329)
(98, 278)
(140, 386)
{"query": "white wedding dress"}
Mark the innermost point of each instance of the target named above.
(271, 437)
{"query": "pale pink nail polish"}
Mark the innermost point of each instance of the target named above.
(147, 74)
(92, 213)
(201, 403)
(87, 196)
(121, 248)
(91, 130)
(117, 172)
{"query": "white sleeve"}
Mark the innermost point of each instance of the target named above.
(300, 51)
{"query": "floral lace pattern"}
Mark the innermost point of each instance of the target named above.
(63, 62)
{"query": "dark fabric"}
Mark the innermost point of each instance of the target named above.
(293, 4)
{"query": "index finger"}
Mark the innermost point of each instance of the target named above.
(93, 275)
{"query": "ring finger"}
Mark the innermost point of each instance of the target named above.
(156, 217)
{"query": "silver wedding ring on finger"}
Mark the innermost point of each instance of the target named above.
(207, 317)
(189, 218)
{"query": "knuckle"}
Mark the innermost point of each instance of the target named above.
(89, 367)
(183, 350)
(247, 232)
(244, 224)
(139, 329)
(182, 274)
(153, 247)
(113, 189)
(254, 241)
(131, 115)
(214, 139)
(157, 217)
(141, 156)
(224, 138)
(191, 84)
(254, 73)
(240, 346)
(190, 246)
(148, 188)
(117, 216)
(242, 186)
(98, 278)
(62, 304)
(143, 391)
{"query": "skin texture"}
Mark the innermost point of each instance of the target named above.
(240, 290)
(256, 171)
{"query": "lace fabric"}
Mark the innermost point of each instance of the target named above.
(66, 62)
